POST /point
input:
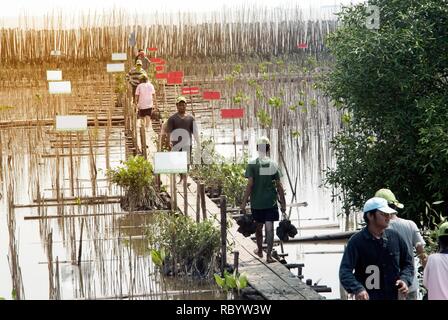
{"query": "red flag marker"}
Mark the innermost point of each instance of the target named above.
(161, 75)
(152, 49)
(232, 113)
(190, 90)
(157, 60)
(176, 74)
(160, 68)
(211, 95)
(302, 45)
(174, 80)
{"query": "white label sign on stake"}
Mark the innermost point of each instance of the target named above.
(54, 75)
(119, 57)
(55, 53)
(71, 123)
(115, 67)
(58, 87)
(170, 162)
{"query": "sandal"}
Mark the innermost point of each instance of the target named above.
(269, 260)
(258, 253)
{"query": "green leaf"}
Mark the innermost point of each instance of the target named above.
(221, 282)
(242, 281)
(230, 281)
(156, 257)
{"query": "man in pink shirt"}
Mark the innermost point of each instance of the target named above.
(144, 99)
(435, 276)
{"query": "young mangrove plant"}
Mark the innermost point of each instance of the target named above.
(136, 178)
(182, 247)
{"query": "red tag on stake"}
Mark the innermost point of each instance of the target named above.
(174, 80)
(160, 68)
(161, 75)
(302, 45)
(157, 60)
(176, 74)
(211, 95)
(152, 49)
(232, 113)
(190, 90)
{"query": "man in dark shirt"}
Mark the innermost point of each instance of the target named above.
(382, 263)
(180, 127)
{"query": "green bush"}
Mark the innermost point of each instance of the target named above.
(392, 84)
(188, 247)
(135, 176)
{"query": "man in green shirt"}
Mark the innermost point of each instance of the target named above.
(264, 187)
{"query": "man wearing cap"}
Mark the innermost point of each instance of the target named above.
(141, 55)
(135, 76)
(408, 230)
(180, 127)
(381, 260)
(435, 276)
(264, 188)
(144, 99)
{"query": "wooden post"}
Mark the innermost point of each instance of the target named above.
(204, 209)
(1, 159)
(223, 207)
(174, 195)
(236, 257)
(80, 243)
(143, 142)
(171, 192)
(185, 196)
(198, 204)
(72, 179)
(50, 264)
(234, 137)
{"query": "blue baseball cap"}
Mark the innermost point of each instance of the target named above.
(377, 203)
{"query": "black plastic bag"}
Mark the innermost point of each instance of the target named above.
(285, 230)
(247, 225)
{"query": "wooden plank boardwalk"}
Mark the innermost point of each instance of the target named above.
(273, 281)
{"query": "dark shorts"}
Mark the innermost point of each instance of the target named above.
(263, 215)
(144, 112)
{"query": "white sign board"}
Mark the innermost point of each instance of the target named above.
(55, 53)
(54, 75)
(57, 87)
(119, 57)
(115, 67)
(71, 123)
(170, 162)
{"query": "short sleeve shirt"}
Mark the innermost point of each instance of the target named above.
(265, 174)
(408, 230)
(145, 91)
(180, 128)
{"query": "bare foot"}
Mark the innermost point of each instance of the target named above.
(269, 259)
(258, 253)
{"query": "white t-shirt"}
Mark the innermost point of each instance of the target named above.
(145, 91)
(435, 276)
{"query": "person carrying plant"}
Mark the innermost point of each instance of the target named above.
(265, 189)
(435, 276)
(134, 77)
(410, 233)
(378, 255)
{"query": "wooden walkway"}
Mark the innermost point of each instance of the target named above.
(273, 281)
